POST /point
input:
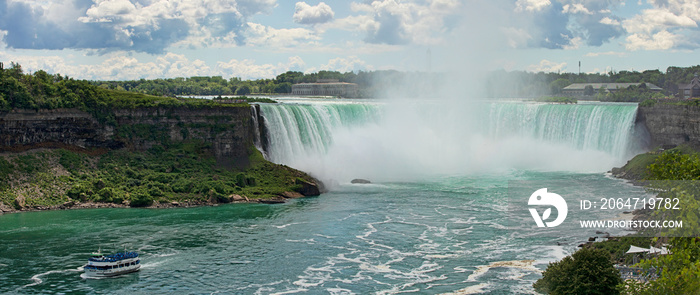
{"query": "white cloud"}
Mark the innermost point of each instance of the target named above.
(687, 8)
(342, 64)
(652, 20)
(574, 43)
(531, 5)
(107, 11)
(662, 40)
(607, 53)
(122, 66)
(129, 14)
(248, 69)
(669, 24)
(263, 36)
(609, 21)
(400, 22)
(547, 67)
(575, 8)
(207, 22)
(309, 15)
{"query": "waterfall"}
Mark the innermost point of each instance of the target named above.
(257, 140)
(297, 130)
(586, 126)
(344, 140)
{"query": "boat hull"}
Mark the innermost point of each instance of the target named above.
(105, 273)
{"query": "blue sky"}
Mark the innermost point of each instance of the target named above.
(132, 39)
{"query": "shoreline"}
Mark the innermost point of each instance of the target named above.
(72, 205)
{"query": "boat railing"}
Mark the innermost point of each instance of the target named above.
(115, 257)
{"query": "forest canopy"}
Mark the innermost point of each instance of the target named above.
(41, 90)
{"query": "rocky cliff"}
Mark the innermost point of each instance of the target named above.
(671, 124)
(229, 130)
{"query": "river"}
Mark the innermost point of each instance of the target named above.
(442, 223)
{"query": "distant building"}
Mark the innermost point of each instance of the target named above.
(579, 89)
(325, 88)
(691, 89)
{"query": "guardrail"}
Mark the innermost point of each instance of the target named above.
(638, 273)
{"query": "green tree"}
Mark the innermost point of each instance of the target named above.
(243, 90)
(588, 90)
(557, 85)
(588, 271)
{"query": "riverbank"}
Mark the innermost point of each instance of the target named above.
(76, 205)
(180, 175)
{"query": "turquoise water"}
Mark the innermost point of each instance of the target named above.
(438, 236)
(438, 218)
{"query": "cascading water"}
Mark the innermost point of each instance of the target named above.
(297, 130)
(257, 141)
(602, 127)
(345, 141)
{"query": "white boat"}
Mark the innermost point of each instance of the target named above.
(100, 265)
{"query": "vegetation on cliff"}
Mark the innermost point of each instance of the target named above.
(557, 99)
(186, 173)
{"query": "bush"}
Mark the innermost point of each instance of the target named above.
(647, 103)
(70, 161)
(588, 271)
(141, 199)
(676, 165)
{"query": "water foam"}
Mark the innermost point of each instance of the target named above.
(407, 141)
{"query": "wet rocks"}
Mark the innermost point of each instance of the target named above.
(360, 181)
(308, 188)
(291, 195)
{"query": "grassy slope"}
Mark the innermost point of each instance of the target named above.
(636, 169)
(184, 173)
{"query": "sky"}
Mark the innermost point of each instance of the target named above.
(252, 39)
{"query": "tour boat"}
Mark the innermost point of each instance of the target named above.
(100, 265)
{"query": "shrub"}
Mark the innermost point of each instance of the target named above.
(140, 199)
(647, 103)
(70, 161)
(588, 271)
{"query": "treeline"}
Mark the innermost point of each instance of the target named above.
(41, 90)
(44, 91)
(369, 83)
(528, 84)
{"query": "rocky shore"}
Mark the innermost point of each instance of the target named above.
(312, 189)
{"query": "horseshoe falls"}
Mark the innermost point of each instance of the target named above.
(436, 219)
(387, 142)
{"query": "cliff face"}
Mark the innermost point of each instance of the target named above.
(671, 125)
(24, 129)
(229, 130)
